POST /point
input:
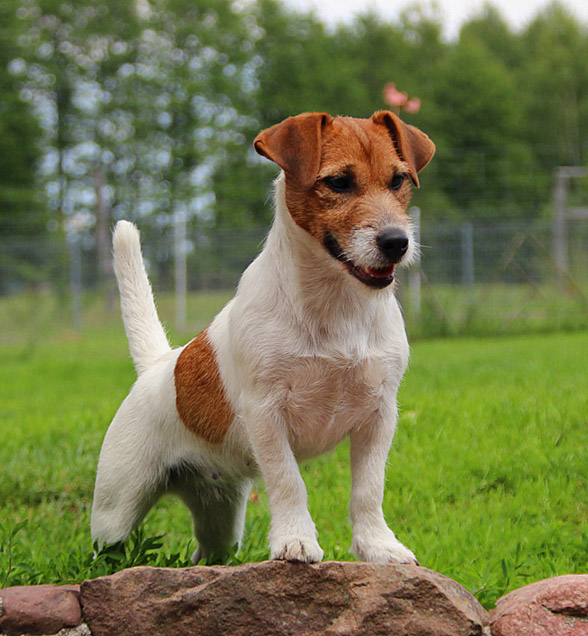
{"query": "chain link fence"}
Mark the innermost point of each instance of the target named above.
(473, 277)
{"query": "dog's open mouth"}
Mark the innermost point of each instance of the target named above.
(377, 277)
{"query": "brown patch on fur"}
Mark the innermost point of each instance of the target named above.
(200, 395)
(295, 145)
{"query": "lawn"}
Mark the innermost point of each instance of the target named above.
(486, 479)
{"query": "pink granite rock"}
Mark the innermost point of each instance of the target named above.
(277, 598)
(553, 607)
(39, 609)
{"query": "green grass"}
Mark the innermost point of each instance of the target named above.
(497, 309)
(486, 479)
(446, 310)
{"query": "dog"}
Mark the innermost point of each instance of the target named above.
(310, 350)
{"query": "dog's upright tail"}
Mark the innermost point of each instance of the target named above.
(145, 333)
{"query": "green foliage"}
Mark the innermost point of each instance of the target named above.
(137, 550)
(20, 211)
(491, 30)
(295, 74)
(7, 539)
(557, 84)
(152, 107)
(477, 122)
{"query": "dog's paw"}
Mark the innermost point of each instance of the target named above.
(304, 549)
(382, 548)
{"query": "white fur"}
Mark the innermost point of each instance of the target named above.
(308, 355)
(147, 339)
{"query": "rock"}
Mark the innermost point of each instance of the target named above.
(278, 598)
(553, 607)
(39, 609)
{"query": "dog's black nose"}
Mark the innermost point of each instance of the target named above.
(393, 243)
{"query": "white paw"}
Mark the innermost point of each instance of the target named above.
(305, 549)
(382, 548)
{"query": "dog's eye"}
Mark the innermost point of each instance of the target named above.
(339, 183)
(397, 182)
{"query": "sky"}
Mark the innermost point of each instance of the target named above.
(517, 12)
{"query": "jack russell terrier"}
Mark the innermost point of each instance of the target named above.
(311, 350)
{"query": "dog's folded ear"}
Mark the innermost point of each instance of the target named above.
(411, 144)
(295, 145)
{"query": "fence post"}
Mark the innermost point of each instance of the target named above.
(560, 239)
(467, 254)
(414, 274)
(75, 273)
(181, 279)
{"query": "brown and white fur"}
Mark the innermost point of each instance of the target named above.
(311, 350)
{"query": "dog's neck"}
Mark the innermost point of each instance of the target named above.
(317, 284)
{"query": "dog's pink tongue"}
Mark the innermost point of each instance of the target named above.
(381, 272)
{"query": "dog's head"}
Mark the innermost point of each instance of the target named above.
(348, 183)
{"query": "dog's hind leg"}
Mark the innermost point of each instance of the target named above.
(131, 475)
(123, 495)
(218, 512)
(118, 509)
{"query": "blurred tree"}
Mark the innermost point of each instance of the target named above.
(371, 53)
(195, 92)
(299, 66)
(137, 101)
(194, 58)
(491, 29)
(421, 27)
(475, 126)
(554, 86)
(73, 53)
(20, 211)
(148, 107)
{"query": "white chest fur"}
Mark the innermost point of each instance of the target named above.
(324, 399)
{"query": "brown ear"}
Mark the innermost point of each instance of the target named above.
(295, 145)
(412, 145)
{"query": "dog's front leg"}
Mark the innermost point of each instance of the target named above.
(292, 531)
(372, 539)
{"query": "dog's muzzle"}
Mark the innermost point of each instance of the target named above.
(393, 244)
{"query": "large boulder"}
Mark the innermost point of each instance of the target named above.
(553, 607)
(278, 598)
